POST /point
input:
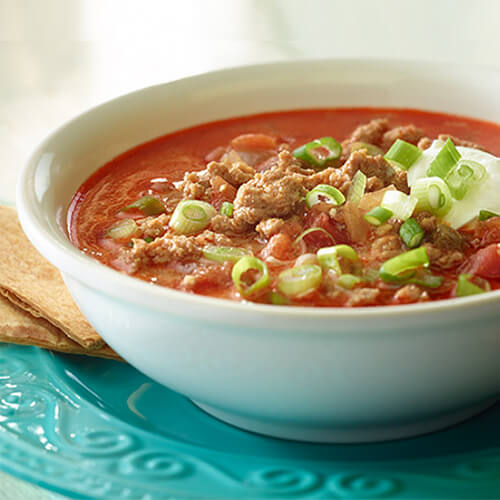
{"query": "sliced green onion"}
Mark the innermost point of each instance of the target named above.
(123, 229)
(403, 154)
(245, 264)
(319, 152)
(227, 208)
(433, 195)
(426, 279)
(403, 266)
(278, 300)
(324, 193)
(357, 187)
(312, 230)
(486, 214)
(299, 280)
(371, 150)
(378, 215)
(328, 257)
(400, 204)
(462, 176)
(444, 161)
(465, 287)
(411, 233)
(148, 239)
(191, 216)
(148, 205)
(224, 254)
(349, 281)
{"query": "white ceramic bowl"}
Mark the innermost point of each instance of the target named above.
(341, 375)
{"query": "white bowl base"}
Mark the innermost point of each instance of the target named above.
(367, 434)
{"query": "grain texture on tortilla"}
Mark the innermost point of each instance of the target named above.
(19, 327)
(32, 283)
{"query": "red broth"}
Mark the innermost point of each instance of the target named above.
(98, 203)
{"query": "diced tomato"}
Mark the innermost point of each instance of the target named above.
(318, 239)
(222, 191)
(280, 247)
(492, 231)
(486, 262)
(254, 142)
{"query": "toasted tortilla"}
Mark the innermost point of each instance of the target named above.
(33, 284)
(19, 327)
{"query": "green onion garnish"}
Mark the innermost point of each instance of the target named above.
(123, 229)
(403, 154)
(349, 281)
(486, 214)
(400, 204)
(324, 193)
(191, 216)
(224, 254)
(403, 266)
(319, 152)
(462, 176)
(328, 257)
(148, 239)
(378, 215)
(148, 205)
(248, 285)
(357, 188)
(299, 280)
(433, 195)
(371, 150)
(444, 161)
(312, 230)
(426, 279)
(411, 233)
(227, 208)
(465, 287)
(277, 299)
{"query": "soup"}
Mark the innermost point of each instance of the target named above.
(324, 207)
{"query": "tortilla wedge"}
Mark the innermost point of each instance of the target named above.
(33, 284)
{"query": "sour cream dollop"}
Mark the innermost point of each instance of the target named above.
(482, 196)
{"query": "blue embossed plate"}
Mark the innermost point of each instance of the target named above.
(91, 428)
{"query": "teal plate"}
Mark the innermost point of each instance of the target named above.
(90, 428)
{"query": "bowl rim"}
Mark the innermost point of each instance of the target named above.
(96, 275)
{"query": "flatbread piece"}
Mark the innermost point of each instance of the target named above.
(33, 284)
(19, 327)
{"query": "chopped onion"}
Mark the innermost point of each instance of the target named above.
(328, 257)
(349, 281)
(486, 214)
(465, 287)
(123, 229)
(324, 193)
(227, 208)
(357, 187)
(191, 216)
(444, 161)
(378, 215)
(148, 205)
(433, 195)
(319, 152)
(299, 280)
(411, 233)
(403, 154)
(403, 266)
(462, 176)
(224, 254)
(400, 204)
(245, 264)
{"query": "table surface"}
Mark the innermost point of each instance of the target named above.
(87, 51)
